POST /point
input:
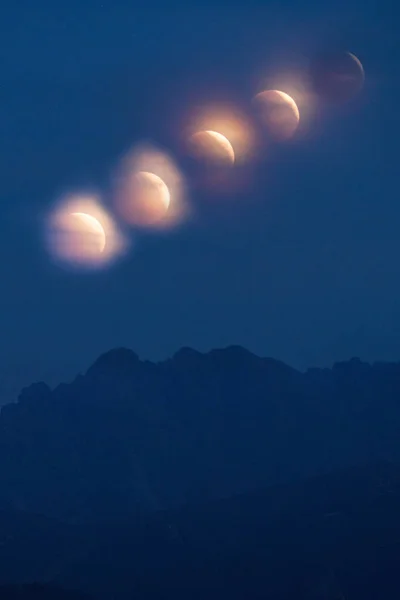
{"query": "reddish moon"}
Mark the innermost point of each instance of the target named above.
(80, 233)
(212, 146)
(278, 112)
(78, 237)
(144, 199)
(93, 228)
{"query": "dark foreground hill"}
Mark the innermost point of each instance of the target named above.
(132, 436)
(333, 537)
(38, 592)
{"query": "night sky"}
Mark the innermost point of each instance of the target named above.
(304, 266)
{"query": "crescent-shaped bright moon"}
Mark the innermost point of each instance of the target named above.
(267, 95)
(220, 139)
(359, 65)
(94, 225)
(160, 184)
(280, 112)
(289, 100)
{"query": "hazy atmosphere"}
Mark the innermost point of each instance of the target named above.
(302, 265)
(200, 350)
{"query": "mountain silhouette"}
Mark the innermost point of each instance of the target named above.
(132, 436)
(18, 375)
(208, 475)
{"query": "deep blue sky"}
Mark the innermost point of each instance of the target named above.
(307, 270)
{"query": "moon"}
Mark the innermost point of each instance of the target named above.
(144, 199)
(213, 146)
(278, 112)
(93, 227)
(154, 181)
(77, 238)
(337, 77)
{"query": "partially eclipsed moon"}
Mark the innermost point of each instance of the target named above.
(278, 111)
(154, 181)
(144, 199)
(354, 65)
(337, 76)
(213, 145)
(358, 62)
(80, 233)
(77, 238)
(94, 227)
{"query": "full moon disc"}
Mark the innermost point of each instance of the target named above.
(337, 77)
(278, 112)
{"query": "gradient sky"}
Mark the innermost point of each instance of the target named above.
(305, 269)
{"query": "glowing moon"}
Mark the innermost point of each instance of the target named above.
(278, 112)
(213, 145)
(337, 77)
(144, 199)
(155, 182)
(77, 238)
(94, 227)
(79, 233)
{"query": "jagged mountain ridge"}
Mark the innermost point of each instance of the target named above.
(16, 376)
(133, 435)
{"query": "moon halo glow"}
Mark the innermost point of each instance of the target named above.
(149, 189)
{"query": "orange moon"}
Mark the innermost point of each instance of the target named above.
(278, 112)
(214, 146)
(94, 228)
(78, 237)
(145, 199)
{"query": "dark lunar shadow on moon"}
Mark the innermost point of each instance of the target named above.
(336, 76)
